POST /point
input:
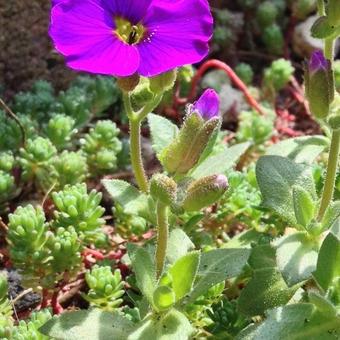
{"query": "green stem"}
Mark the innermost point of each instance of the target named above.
(162, 237)
(332, 166)
(321, 8)
(136, 119)
(150, 106)
(329, 49)
(136, 155)
(333, 157)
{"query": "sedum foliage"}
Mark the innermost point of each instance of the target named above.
(75, 207)
(106, 288)
(101, 147)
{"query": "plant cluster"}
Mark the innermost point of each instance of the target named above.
(48, 252)
(40, 148)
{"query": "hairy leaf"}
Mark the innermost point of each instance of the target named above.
(88, 325)
(276, 177)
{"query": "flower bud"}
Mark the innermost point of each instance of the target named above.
(128, 84)
(319, 84)
(204, 192)
(322, 29)
(333, 13)
(142, 94)
(208, 105)
(163, 189)
(163, 82)
(201, 124)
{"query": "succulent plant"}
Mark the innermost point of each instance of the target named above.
(60, 129)
(70, 167)
(27, 236)
(101, 147)
(106, 288)
(75, 207)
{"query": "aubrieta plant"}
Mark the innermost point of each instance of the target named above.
(272, 273)
(132, 43)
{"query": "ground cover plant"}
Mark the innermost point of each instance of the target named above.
(135, 205)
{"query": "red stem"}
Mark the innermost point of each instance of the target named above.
(214, 63)
(95, 253)
(56, 307)
(44, 299)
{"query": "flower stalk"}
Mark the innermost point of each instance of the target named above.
(136, 119)
(162, 237)
(136, 155)
(332, 166)
(333, 157)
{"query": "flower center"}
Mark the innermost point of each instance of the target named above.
(127, 32)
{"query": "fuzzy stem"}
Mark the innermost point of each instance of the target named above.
(162, 237)
(136, 155)
(321, 8)
(332, 166)
(136, 119)
(329, 49)
(333, 157)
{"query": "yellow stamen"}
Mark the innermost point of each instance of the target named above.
(127, 32)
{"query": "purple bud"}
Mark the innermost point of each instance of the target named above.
(318, 61)
(208, 105)
(221, 181)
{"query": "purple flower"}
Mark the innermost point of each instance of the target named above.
(123, 37)
(318, 61)
(208, 105)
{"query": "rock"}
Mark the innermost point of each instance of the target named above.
(28, 301)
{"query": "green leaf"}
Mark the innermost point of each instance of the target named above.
(215, 267)
(295, 322)
(183, 274)
(300, 149)
(164, 297)
(262, 256)
(220, 163)
(132, 200)
(322, 29)
(276, 177)
(244, 239)
(144, 269)
(304, 206)
(179, 244)
(328, 265)
(296, 256)
(91, 324)
(332, 214)
(171, 326)
(163, 132)
(322, 304)
(266, 290)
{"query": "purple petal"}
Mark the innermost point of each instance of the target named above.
(134, 10)
(208, 105)
(84, 32)
(318, 61)
(178, 34)
(109, 57)
(56, 2)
